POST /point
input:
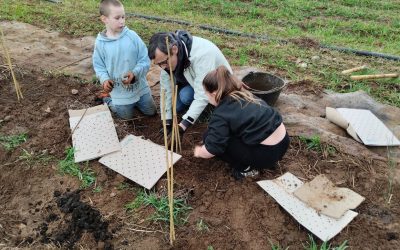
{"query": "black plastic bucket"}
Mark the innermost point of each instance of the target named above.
(264, 85)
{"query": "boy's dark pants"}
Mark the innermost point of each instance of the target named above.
(240, 156)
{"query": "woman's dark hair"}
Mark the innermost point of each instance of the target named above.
(223, 83)
(158, 41)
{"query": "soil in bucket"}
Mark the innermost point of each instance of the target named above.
(264, 85)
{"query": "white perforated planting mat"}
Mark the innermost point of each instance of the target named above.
(368, 127)
(95, 134)
(324, 227)
(139, 160)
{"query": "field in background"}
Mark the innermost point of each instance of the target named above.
(364, 25)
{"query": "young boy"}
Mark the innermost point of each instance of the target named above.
(121, 63)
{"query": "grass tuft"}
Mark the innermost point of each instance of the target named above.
(30, 158)
(314, 143)
(11, 142)
(161, 207)
(201, 226)
(312, 245)
(68, 166)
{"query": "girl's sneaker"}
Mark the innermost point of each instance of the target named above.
(248, 172)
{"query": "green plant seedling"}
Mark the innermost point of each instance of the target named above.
(10, 142)
(161, 207)
(312, 245)
(123, 186)
(314, 143)
(30, 158)
(202, 226)
(97, 189)
(276, 247)
(68, 166)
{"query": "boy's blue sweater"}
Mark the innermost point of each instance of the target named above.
(114, 57)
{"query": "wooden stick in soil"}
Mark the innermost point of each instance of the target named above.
(171, 190)
(178, 136)
(348, 71)
(8, 59)
(174, 91)
(166, 158)
(365, 77)
(174, 123)
(76, 126)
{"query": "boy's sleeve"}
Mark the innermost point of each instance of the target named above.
(166, 85)
(99, 64)
(143, 61)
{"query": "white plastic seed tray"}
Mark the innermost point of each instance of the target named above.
(94, 134)
(324, 227)
(141, 161)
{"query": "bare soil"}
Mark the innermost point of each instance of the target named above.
(40, 208)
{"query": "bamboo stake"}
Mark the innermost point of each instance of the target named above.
(171, 190)
(173, 138)
(76, 126)
(167, 161)
(171, 180)
(178, 136)
(348, 71)
(7, 56)
(171, 185)
(364, 77)
(174, 93)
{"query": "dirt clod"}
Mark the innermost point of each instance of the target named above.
(80, 218)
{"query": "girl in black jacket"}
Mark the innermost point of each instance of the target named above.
(243, 130)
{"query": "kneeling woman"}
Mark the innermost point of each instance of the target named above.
(243, 130)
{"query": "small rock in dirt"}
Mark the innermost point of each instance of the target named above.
(7, 118)
(100, 245)
(113, 194)
(303, 65)
(74, 91)
(315, 58)
(48, 110)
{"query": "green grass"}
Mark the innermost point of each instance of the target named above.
(278, 247)
(31, 158)
(68, 166)
(97, 189)
(314, 143)
(161, 207)
(364, 25)
(201, 226)
(123, 186)
(10, 142)
(312, 245)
